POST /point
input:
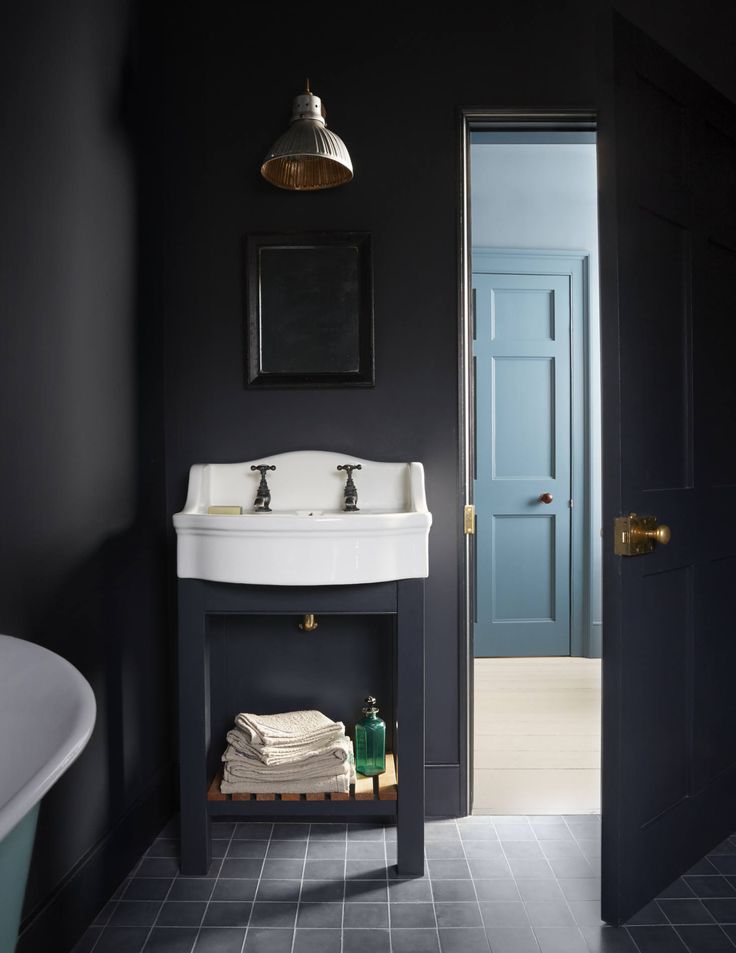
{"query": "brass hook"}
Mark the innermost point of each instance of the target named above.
(309, 624)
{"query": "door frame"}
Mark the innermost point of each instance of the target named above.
(470, 120)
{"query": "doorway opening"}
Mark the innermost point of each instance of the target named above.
(532, 427)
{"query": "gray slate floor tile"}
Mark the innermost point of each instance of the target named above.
(282, 915)
(415, 941)
(181, 913)
(657, 939)
(319, 915)
(323, 891)
(366, 941)
(705, 939)
(471, 940)
(287, 891)
(234, 889)
(122, 939)
(191, 888)
(560, 940)
(135, 913)
(268, 941)
(170, 940)
(508, 913)
(219, 940)
(512, 940)
(228, 913)
(368, 891)
(608, 940)
(317, 941)
(366, 916)
(412, 916)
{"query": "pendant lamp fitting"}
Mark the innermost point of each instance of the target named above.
(308, 156)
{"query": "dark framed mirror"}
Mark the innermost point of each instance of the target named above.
(309, 310)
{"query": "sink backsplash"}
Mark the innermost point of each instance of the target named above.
(308, 480)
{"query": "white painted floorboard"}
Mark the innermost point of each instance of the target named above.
(537, 736)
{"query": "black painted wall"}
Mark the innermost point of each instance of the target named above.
(393, 98)
(82, 541)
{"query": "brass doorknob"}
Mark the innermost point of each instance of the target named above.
(638, 535)
(545, 498)
(661, 534)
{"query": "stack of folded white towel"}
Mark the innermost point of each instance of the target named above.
(295, 752)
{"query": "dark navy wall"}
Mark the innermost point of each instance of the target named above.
(393, 97)
(87, 554)
(82, 540)
(393, 100)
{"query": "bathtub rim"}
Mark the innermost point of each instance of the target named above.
(66, 677)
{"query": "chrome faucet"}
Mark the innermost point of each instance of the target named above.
(263, 497)
(351, 491)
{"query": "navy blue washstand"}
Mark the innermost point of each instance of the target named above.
(403, 600)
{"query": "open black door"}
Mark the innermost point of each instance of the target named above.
(667, 172)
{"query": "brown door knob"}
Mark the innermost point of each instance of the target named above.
(545, 498)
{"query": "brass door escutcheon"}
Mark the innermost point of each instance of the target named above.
(309, 624)
(638, 535)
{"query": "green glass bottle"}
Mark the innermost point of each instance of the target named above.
(370, 741)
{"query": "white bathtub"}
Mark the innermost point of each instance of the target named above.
(47, 713)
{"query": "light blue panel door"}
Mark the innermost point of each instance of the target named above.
(522, 365)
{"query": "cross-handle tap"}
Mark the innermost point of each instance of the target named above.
(351, 491)
(263, 496)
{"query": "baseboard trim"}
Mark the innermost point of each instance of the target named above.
(442, 790)
(62, 919)
(595, 640)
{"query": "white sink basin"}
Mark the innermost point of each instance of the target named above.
(307, 539)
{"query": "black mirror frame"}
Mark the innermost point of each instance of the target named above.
(256, 376)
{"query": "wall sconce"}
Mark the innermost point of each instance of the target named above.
(308, 155)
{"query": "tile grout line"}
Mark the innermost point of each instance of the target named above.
(129, 878)
(258, 884)
(513, 875)
(431, 886)
(158, 914)
(388, 886)
(557, 879)
(301, 887)
(214, 885)
(344, 887)
(475, 891)
(631, 937)
(685, 945)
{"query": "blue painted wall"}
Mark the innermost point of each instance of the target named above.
(545, 196)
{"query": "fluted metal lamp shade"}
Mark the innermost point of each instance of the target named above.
(308, 156)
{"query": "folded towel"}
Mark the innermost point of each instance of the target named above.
(270, 755)
(241, 767)
(289, 729)
(338, 783)
(238, 772)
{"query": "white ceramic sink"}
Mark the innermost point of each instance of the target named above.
(307, 539)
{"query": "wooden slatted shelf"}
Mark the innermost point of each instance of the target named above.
(383, 787)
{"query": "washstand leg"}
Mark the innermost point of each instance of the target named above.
(194, 713)
(410, 718)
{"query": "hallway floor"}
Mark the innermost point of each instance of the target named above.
(501, 884)
(537, 736)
